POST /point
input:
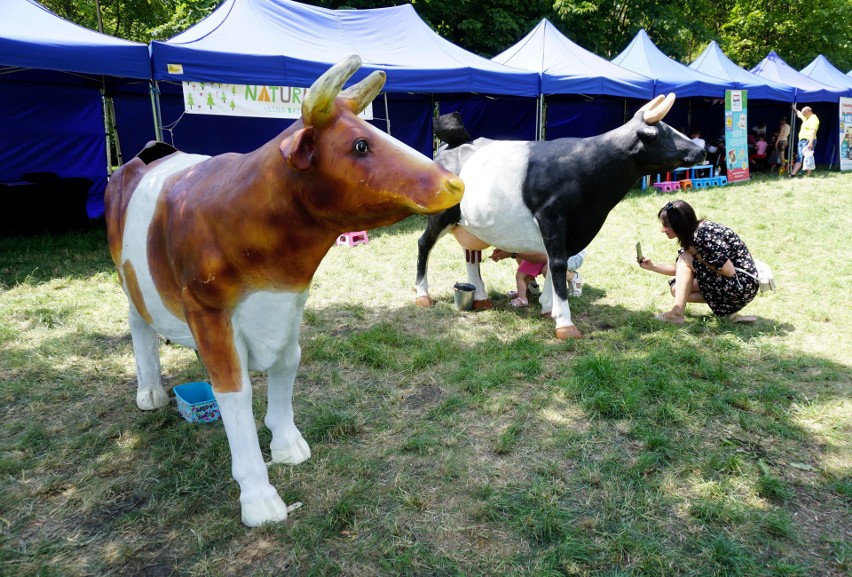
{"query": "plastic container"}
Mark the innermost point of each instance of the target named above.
(196, 402)
(464, 296)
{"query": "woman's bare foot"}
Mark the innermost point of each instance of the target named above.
(670, 317)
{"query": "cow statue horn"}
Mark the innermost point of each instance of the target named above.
(658, 108)
(317, 106)
(360, 95)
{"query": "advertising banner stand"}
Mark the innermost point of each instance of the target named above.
(736, 135)
(845, 145)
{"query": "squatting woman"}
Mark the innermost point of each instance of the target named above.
(713, 265)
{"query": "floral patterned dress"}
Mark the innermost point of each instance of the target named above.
(716, 244)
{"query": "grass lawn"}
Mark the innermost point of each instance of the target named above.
(451, 443)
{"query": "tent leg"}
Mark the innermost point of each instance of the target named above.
(108, 130)
(155, 109)
(387, 114)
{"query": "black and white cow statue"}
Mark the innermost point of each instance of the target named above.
(550, 197)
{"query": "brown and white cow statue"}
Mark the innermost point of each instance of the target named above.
(218, 253)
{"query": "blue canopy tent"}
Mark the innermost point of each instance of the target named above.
(285, 43)
(55, 79)
(764, 95)
(823, 99)
(643, 57)
(822, 70)
(582, 93)
(713, 62)
(698, 93)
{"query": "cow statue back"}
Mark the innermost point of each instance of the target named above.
(218, 253)
(548, 197)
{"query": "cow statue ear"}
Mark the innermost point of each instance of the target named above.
(647, 133)
(298, 149)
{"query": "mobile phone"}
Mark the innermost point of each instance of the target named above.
(639, 256)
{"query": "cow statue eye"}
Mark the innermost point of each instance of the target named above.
(361, 146)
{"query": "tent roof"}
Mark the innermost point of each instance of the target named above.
(643, 57)
(33, 37)
(712, 61)
(773, 68)
(567, 68)
(282, 42)
(821, 70)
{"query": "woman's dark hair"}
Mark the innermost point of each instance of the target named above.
(680, 217)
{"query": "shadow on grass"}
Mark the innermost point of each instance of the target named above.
(36, 259)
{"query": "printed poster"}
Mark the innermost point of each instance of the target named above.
(736, 135)
(248, 100)
(845, 133)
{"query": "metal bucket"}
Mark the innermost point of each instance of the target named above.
(464, 296)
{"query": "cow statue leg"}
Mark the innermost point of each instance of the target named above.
(150, 393)
(472, 259)
(259, 501)
(226, 359)
(288, 446)
(436, 226)
(557, 262)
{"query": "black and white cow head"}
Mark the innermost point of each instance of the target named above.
(657, 147)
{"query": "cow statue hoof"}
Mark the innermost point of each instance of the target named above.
(484, 305)
(569, 332)
(297, 452)
(270, 509)
(151, 398)
(424, 301)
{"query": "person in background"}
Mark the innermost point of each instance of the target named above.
(781, 140)
(713, 266)
(533, 264)
(807, 136)
(759, 155)
(759, 128)
(695, 136)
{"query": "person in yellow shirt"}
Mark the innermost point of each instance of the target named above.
(807, 136)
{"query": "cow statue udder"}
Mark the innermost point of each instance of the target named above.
(548, 196)
(218, 254)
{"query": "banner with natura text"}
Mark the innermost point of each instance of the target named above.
(248, 100)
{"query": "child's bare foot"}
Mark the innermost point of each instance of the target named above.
(670, 317)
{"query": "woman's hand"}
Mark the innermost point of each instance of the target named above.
(646, 263)
(499, 254)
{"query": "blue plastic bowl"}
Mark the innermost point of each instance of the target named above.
(196, 402)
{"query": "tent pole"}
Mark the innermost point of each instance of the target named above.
(541, 119)
(107, 129)
(387, 114)
(154, 89)
(792, 145)
(110, 104)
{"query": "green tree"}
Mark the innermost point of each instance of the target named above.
(797, 30)
(128, 19)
